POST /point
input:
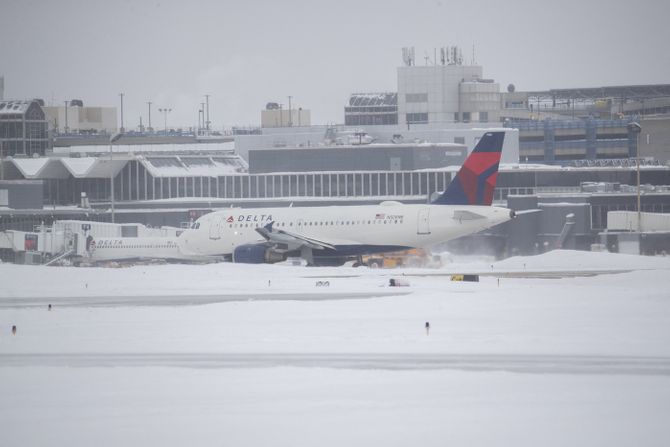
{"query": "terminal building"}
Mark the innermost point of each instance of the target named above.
(567, 154)
(445, 90)
(275, 115)
(23, 129)
(74, 117)
(368, 109)
(556, 126)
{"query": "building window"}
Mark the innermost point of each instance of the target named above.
(466, 117)
(416, 118)
(455, 117)
(459, 140)
(416, 97)
(483, 117)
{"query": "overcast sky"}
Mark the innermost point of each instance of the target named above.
(247, 53)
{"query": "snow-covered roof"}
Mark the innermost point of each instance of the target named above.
(14, 107)
(508, 167)
(50, 168)
(188, 166)
(103, 167)
(29, 166)
(181, 148)
(373, 99)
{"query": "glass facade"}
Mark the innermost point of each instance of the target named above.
(134, 183)
(366, 109)
(416, 118)
(23, 129)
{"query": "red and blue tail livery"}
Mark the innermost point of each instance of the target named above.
(476, 180)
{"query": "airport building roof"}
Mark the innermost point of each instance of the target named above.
(182, 148)
(594, 93)
(373, 99)
(62, 168)
(14, 107)
(104, 167)
(179, 166)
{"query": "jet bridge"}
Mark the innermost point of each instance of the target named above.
(65, 239)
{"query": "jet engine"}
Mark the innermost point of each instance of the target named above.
(257, 254)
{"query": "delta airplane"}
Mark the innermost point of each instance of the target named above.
(331, 235)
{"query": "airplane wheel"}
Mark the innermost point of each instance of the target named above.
(374, 264)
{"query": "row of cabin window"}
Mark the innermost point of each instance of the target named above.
(305, 224)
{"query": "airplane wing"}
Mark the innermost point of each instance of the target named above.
(291, 240)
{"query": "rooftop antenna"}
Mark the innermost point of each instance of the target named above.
(408, 56)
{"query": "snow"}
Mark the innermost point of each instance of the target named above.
(30, 167)
(149, 148)
(79, 167)
(229, 354)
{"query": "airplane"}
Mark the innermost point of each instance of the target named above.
(333, 235)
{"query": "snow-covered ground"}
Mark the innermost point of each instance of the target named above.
(227, 354)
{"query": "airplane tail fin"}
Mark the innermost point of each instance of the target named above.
(476, 180)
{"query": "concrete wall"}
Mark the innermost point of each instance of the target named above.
(655, 138)
(478, 97)
(356, 158)
(440, 83)
(100, 119)
(284, 118)
(461, 133)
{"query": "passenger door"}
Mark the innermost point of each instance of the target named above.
(215, 228)
(423, 221)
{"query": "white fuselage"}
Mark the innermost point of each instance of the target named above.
(372, 228)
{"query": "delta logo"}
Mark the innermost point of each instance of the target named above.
(251, 218)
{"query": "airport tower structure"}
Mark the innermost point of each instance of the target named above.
(445, 90)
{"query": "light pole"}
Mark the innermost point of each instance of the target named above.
(202, 110)
(207, 122)
(65, 128)
(165, 112)
(290, 118)
(112, 139)
(121, 95)
(636, 129)
(149, 128)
